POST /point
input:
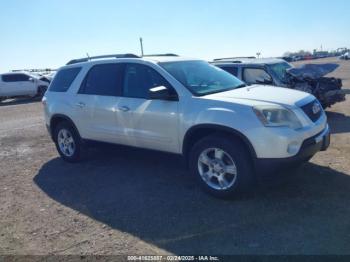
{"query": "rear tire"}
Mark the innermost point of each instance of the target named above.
(222, 166)
(68, 142)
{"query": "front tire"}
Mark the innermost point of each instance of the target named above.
(222, 166)
(68, 142)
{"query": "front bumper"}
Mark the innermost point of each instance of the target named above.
(266, 167)
(334, 96)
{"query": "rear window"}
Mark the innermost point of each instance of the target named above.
(230, 69)
(103, 80)
(63, 79)
(15, 78)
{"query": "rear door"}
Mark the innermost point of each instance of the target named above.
(10, 85)
(97, 101)
(147, 123)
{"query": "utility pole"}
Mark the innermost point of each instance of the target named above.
(141, 44)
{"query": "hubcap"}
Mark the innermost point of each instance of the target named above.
(217, 168)
(66, 142)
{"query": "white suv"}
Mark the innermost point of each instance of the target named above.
(229, 133)
(18, 84)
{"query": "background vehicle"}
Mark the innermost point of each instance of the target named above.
(184, 106)
(21, 84)
(277, 72)
(48, 77)
(297, 58)
(287, 58)
(345, 56)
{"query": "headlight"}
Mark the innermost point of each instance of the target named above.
(274, 116)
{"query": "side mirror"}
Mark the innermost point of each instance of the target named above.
(161, 93)
(31, 79)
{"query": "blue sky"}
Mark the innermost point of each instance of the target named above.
(48, 33)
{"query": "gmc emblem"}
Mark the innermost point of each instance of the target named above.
(316, 108)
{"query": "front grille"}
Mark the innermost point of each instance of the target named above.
(310, 108)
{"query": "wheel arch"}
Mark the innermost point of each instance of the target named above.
(200, 131)
(58, 118)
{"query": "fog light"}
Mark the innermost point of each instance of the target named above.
(293, 148)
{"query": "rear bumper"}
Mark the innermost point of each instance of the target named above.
(267, 167)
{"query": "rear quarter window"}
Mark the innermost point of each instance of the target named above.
(63, 79)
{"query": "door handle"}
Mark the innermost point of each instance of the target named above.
(80, 104)
(124, 108)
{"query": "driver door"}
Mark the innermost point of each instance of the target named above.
(147, 123)
(26, 85)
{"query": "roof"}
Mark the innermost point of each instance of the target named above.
(160, 59)
(152, 58)
(88, 58)
(249, 61)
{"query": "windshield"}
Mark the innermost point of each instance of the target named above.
(201, 78)
(279, 70)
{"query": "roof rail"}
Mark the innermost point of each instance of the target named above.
(80, 60)
(235, 58)
(167, 54)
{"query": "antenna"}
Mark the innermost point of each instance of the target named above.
(87, 54)
(141, 44)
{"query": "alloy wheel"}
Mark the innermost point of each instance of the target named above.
(217, 168)
(66, 142)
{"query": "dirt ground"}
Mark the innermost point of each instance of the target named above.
(127, 201)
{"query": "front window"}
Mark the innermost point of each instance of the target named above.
(280, 70)
(139, 79)
(256, 76)
(201, 78)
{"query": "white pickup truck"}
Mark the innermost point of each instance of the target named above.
(18, 84)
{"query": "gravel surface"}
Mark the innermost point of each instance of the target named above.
(128, 201)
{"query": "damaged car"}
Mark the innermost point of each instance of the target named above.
(277, 72)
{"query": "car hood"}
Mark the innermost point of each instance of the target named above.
(312, 71)
(258, 94)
